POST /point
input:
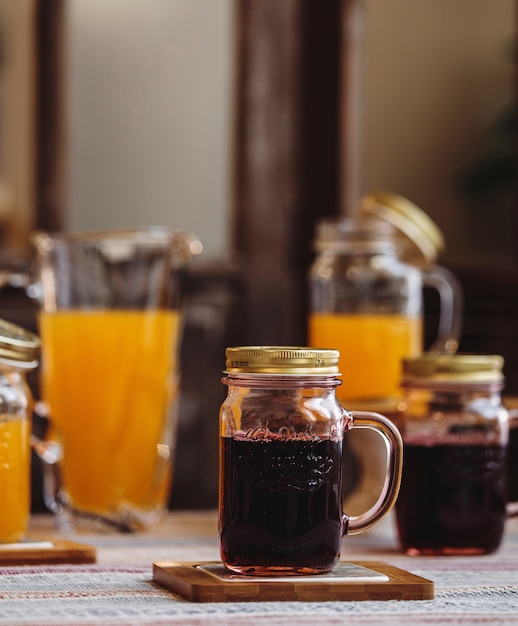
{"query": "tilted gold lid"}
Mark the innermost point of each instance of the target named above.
(454, 368)
(18, 347)
(423, 238)
(282, 360)
(340, 233)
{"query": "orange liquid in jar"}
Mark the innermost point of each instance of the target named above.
(108, 378)
(14, 477)
(371, 349)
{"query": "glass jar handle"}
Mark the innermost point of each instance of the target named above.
(450, 318)
(389, 492)
(512, 507)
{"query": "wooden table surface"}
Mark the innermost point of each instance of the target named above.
(119, 587)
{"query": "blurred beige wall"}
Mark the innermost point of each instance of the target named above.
(438, 73)
(150, 114)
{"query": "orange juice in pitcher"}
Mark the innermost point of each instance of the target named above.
(108, 378)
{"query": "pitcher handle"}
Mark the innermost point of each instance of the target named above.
(394, 459)
(21, 278)
(451, 305)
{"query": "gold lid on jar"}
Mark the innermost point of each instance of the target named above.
(18, 347)
(423, 238)
(282, 360)
(453, 368)
(341, 233)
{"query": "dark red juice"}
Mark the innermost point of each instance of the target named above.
(281, 506)
(512, 466)
(452, 499)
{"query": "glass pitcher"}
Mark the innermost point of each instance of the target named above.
(366, 297)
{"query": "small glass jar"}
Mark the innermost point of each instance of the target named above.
(455, 431)
(282, 462)
(18, 353)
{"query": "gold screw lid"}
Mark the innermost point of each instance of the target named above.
(454, 368)
(423, 238)
(18, 347)
(339, 233)
(282, 360)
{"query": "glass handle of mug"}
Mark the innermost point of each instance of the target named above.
(512, 507)
(394, 459)
(451, 304)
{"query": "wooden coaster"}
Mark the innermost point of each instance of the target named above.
(200, 582)
(41, 550)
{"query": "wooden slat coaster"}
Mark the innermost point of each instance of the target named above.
(208, 582)
(41, 550)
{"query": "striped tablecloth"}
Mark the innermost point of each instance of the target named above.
(118, 589)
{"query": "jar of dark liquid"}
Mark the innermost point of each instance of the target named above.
(282, 462)
(455, 432)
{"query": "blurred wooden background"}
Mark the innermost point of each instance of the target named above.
(297, 148)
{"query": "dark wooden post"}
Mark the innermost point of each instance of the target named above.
(50, 141)
(287, 145)
(267, 162)
(352, 103)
